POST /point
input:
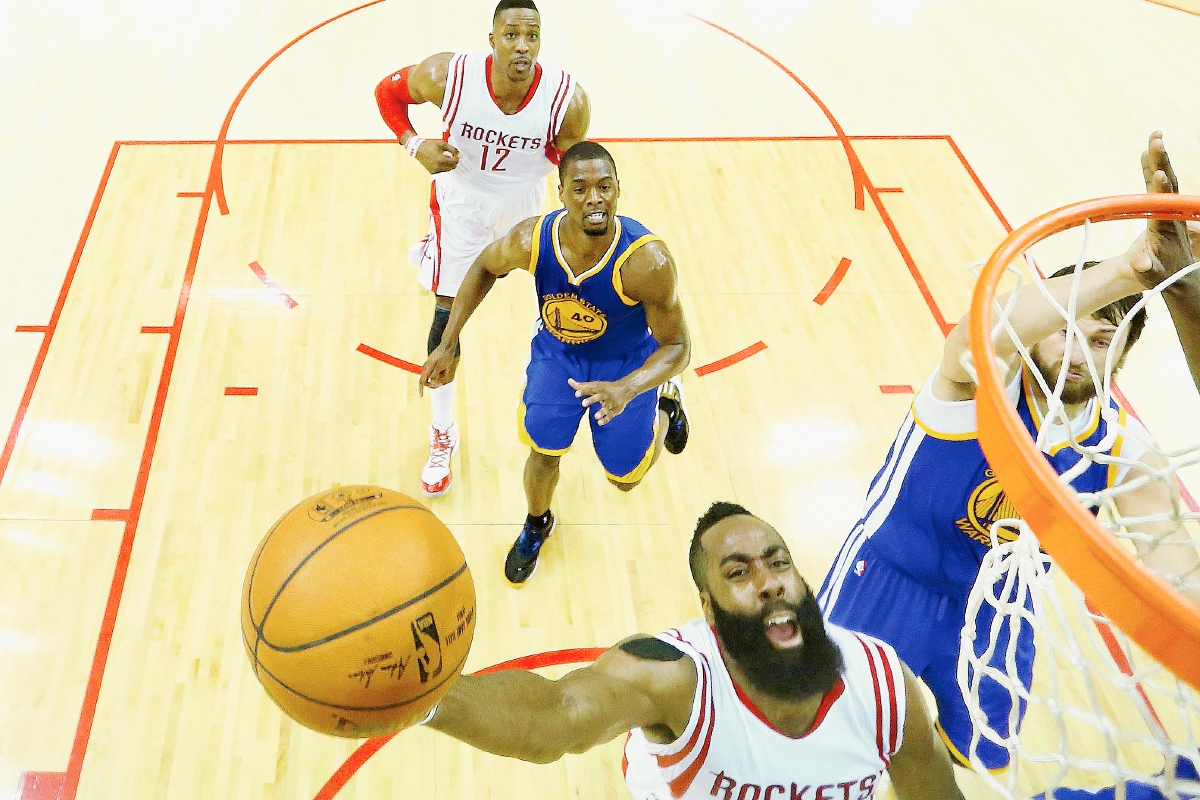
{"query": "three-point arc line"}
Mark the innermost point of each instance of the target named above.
(271, 284)
(730, 360)
(368, 748)
(831, 284)
(379, 355)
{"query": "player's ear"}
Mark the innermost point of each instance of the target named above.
(492, 41)
(706, 606)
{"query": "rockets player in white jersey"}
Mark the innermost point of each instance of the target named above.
(507, 119)
(760, 700)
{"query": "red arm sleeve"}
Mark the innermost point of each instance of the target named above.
(393, 99)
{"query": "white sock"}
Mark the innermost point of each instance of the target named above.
(443, 405)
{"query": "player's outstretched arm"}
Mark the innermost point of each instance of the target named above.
(497, 260)
(575, 123)
(1165, 545)
(523, 715)
(921, 768)
(1033, 317)
(422, 83)
(1174, 246)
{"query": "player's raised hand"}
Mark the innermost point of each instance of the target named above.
(1169, 243)
(612, 397)
(437, 156)
(439, 368)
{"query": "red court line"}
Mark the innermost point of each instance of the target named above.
(370, 747)
(862, 183)
(978, 183)
(1175, 7)
(155, 329)
(271, 284)
(91, 697)
(32, 328)
(615, 139)
(241, 391)
(730, 360)
(216, 180)
(40, 359)
(857, 173)
(896, 388)
(834, 280)
(119, 514)
(39, 785)
(379, 355)
(189, 194)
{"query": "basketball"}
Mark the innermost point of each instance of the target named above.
(358, 611)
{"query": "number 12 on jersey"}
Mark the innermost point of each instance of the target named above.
(501, 154)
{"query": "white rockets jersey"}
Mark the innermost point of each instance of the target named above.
(729, 751)
(498, 151)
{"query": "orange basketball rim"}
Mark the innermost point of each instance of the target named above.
(1150, 611)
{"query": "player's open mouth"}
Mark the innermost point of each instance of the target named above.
(595, 218)
(782, 630)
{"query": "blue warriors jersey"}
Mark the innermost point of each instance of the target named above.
(588, 316)
(930, 509)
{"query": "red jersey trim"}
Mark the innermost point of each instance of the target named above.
(435, 211)
(456, 92)
(822, 710)
(683, 781)
(552, 153)
(537, 79)
(894, 716)
(706, 704)
(878, 700)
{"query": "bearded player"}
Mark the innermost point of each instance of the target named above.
(507, 120)
(759, 699)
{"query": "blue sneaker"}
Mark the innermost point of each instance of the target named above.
(522, 558)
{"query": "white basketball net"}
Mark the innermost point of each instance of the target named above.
(1100, 712)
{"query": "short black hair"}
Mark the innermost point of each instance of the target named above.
(716, 512)
(505, 5)
(584, 151)
(1116, 311)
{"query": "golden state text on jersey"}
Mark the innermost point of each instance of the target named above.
(588, 315)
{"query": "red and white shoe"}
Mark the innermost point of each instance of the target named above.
(435, 478)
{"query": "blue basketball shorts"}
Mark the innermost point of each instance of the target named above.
(925, 628)
(549, 413)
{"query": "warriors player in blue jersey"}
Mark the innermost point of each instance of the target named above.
(904, 573)
(610, 339)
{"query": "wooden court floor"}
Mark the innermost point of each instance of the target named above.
(209, 315)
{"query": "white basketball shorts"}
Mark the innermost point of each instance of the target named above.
(461, 225)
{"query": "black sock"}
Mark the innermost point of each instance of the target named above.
(539, 523)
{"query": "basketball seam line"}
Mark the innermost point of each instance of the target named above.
(453, 672)
(365, 623)
(259, 626)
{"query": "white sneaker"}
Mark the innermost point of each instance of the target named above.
(435, 478)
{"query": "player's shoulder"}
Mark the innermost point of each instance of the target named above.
(653, 664)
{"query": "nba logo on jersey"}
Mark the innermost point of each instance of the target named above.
(860, 567)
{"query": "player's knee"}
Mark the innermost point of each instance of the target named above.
(624, 487)
(441, 317)
(542, 462)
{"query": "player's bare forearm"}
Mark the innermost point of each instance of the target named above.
(475, 286)
(666, 362)
(522, 715)
(1183, 301)
(921, 768)
(516, 714)
(1033, 317)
